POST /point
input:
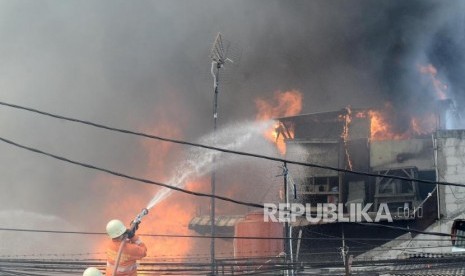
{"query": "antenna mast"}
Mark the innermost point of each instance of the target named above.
(218, 57)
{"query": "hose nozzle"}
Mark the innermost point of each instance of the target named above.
(139, 217)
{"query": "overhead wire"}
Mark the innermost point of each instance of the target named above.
(322, 251)
(188, 268)
(193, 268)
(255, 205)
(335, 238)
(138, 179)
(84, 256)
(206, 147)
(191, 144)
(181, 142)
(332, 236)
(409, 230)
(177, 268)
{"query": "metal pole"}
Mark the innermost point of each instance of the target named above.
(286, 223)
(438, 199)
(345, 250)
(298, 246)
(291, 253)
(213, 177)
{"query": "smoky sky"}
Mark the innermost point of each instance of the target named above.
(134, 64)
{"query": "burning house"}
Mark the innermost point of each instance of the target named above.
(344, 140)
(362, 140)
(367, 141)
(397, 158)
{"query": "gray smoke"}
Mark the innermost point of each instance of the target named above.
(134, 64)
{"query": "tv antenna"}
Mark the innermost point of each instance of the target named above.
(219, 56)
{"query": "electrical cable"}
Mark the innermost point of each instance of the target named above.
(332, 236)
(25, 267)
(146, 181)
(223, 237)
(440, 234)
(150, 181)
(181, 142)
(205, 255)
(170, 186)
(217, 149)
(282, 160)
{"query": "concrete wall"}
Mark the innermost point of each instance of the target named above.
(402, 153)
(451, 168)
(450, 146)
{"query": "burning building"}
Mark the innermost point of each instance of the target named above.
(351, 140)
(362, 140)
(417, 152)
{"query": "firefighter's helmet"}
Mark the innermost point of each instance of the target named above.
(115, 228)
(92, 271)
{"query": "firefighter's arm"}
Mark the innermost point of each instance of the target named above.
(136, 248)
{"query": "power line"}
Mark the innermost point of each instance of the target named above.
(255, 205)
(20, 266)
(358, 249)
(174, 188)
(157, 235)
(222, 237)
(207, 147)
(409, 230)
(196, 268)
(181, 142)
(131, 177)
(170, 187)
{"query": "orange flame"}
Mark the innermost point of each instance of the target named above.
(381, 129)
(288, 103)
(439, 87)
(171, 216)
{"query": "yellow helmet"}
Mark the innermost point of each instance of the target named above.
(115, 228)
(92, 271)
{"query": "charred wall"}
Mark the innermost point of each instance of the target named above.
(341, 139)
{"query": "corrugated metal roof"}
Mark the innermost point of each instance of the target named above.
(451, 264)
(220, 221)
(425, 270)
(303, 221)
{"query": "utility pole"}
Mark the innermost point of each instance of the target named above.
(213, 180)
(298, 246)
(287, 232)
(218, 57)
(344, 253)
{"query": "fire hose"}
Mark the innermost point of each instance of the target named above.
(129, 234)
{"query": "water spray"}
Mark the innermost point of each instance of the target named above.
(198, 162)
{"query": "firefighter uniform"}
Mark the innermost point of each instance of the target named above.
(134, 249)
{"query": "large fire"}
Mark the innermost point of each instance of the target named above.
(125, 200)
(288, 103)
(170, 216)
(381, 127)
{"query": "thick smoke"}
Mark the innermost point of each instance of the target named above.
(140, 64)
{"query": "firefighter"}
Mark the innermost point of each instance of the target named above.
(92, 271)
(133, 250)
